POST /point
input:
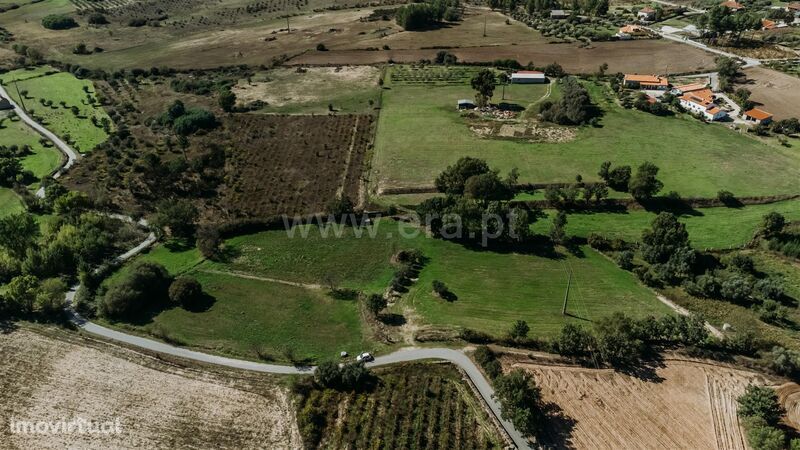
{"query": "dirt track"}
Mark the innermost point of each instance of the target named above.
(777, 92)
(685, 405)
(643, 56)
(159, 406)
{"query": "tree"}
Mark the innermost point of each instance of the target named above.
(520, 400)
(573, 108)
(617, 341)
(664, 237)
(18, 233)
(519, 330)
(354, 375)
(178, 216)
(772, 224)
(761, 402)
(574, 341)
(97, 18)
(376, 303)
(208, 241)
(487, 187)
(644, 185)
(558, 233)
(145, 285)
(328, 374)
(452, 180)
(227, 100)
(761, 436)
(185, 291)
(50, 298)
(483, 83)
(21, 293)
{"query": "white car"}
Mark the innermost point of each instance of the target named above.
(364, 357)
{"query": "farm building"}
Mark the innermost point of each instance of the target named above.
(646, 14)
(647, 82)
(702, 102)
(632, 30)
(732, 5)
(558, 14)
(757, 116)
(528, 77)
(466, 104)
(5, 104)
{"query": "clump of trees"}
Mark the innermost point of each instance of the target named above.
(58, 22)
(178, 216)
(642, 186)
(187, 121)
(573, 108)
(761, 411)
(722, 21)
(419, 16)
(476, 205)
(347, 377)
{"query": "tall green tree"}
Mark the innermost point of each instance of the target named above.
(484, 83)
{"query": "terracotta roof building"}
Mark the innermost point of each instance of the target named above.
(648, 82)
(756, 115)
(733, 5)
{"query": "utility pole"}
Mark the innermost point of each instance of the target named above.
(484, 26)
(566, 295)
(288, 28)
(21, 100)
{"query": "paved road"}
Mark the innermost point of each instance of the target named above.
(410, 354)
(748, 62)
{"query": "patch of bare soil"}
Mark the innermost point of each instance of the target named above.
(525, 130)
(776, 92)
(158, 404)
(684, 404)
(307, 86)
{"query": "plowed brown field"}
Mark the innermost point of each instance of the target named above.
(159, 405)
(686, 405)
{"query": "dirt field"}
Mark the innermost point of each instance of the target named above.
(160, 405)
(687, 405)
(642, 56)
(293, 164)
(777, 92)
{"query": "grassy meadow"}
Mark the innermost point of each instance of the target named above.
(10, 203)
(709, 228)
(43, 160)
(493, 289)
(78, 129)
(696, 159)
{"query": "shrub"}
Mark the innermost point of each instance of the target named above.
(520, 401)
(194, 120)
(760, 402)
(574, 341)
(624, 260)
(186, 291)
(144, 286)
(726, 197)
(519, 330)
(96, 18)
(58, 22)
(376, 303)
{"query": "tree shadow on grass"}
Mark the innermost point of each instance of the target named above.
(676, 206)
(203, 304)
(8, 326)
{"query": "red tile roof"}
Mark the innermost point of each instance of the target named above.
(758, 114)
(646, 79)
(732, 5)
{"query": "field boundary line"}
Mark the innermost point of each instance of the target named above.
(259, 278)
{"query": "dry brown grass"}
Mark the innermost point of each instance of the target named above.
(777, 92)
(57, 375)
(687, 405)
(640, 56)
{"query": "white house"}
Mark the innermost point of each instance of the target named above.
(528, 77)
(702, 102)
(646, 14)
(558, 14)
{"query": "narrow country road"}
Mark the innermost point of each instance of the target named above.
(456, 357)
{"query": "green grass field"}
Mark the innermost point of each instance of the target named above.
(493, 289)
(254, 318)
(58, 87)
(43, 160)
(713, 228)
(10, 203)
(420, 133)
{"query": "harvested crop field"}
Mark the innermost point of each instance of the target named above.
(777, 92)
(55, 376)
(683, 404)
(293, 164)
(640, 56)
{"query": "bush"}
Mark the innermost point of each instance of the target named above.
(376, 303)
(574, 341)
(762, 403)
(761, 436)
(144, 286)
(624, 260)
(194, 120)
(186, 291)
(96, 18)
(58, 22)
(784, 361)
(726, 197)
